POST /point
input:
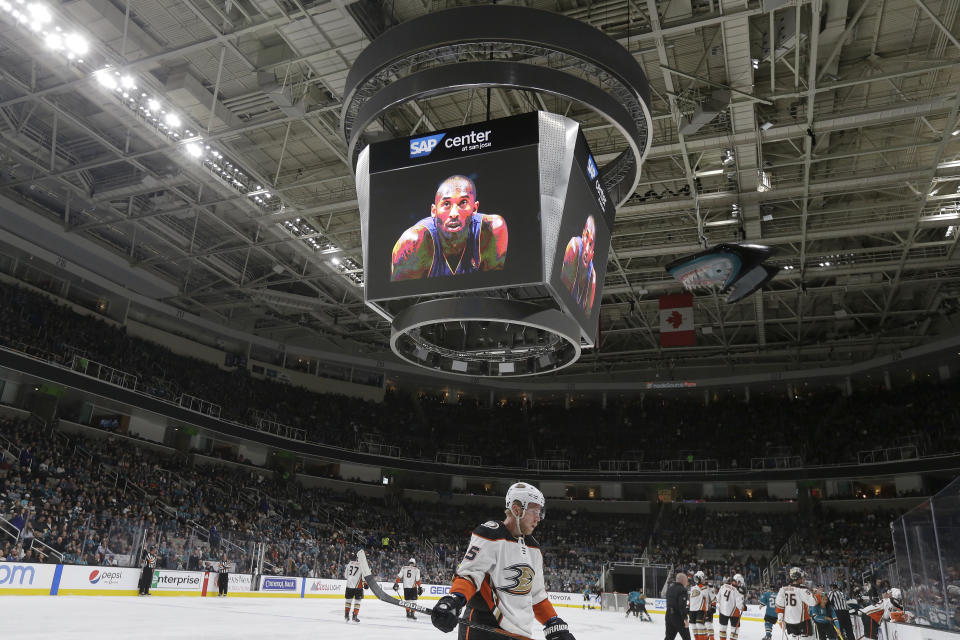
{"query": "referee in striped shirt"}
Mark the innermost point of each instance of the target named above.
(839, 603)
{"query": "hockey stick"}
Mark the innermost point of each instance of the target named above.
(836, 625)
(378, 591)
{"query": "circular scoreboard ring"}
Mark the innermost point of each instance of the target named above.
(417, 337)
(495, 47)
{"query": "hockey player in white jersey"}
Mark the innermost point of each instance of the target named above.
(730, 606)
(355, 586)
(700, 598)
(793, 606)
(410, 577)
(500, 579)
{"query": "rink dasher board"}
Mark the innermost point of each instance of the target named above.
(84, 580)
(17, 578)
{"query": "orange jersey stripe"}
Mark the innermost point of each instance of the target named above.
(544, 610)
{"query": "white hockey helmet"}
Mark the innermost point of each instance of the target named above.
(526, 494)
(895, 593)
(738, 579)
(412, 561)
(700, 577)
(796, 573)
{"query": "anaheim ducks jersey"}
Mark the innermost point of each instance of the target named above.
(729, 601)
(409, 576)
(351, 573)
(700, 597)
(504, 577)
(891, 607)
(794, 602)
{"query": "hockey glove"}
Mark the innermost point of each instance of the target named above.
(396, 587)
(556, 629)
(419, 591)
(447, 612)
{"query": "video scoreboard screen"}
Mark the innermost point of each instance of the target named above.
(505, 203)
(456, 210)
(580, 254)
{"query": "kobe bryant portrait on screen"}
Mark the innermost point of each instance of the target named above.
(577, 272)
(455, 238)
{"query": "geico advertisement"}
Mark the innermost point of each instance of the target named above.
(14, 575)
(91, 578)
(177, 580)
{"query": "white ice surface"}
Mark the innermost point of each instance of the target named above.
(178, 618)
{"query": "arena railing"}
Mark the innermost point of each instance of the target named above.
(104, 372)
(278, 428)
(460, 459)
(705, 465)
(889, 454)
(379, 449)
(199, 405)
(776, 462)
(538, 464)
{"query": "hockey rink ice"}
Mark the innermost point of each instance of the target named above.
(233, 618)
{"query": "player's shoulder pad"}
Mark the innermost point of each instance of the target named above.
(492, 530)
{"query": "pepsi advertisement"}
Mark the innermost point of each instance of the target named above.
(580, 256)
(455, 210)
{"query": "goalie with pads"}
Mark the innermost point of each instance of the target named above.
(500, 579)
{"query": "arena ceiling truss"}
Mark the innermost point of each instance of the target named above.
(199, 141)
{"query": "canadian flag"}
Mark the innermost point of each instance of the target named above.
(676, 320)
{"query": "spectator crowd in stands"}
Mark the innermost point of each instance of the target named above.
(831, 428)
(98, 500)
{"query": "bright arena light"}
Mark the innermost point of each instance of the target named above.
(76, 43)
(194, 149)
(54, 41)
(128, 83)
(40, 14)
(172, 120)
(106, 79)
(153, 105)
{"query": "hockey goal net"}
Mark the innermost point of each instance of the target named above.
(613, 601)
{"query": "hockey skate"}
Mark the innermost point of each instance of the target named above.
(356, 618)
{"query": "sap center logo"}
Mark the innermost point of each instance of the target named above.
(423, 146)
